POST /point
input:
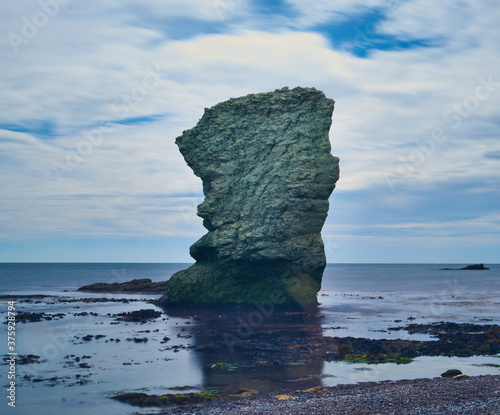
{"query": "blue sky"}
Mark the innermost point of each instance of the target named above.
(95, 93)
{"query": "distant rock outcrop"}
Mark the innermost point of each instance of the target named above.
(267, 174)
(474, 267)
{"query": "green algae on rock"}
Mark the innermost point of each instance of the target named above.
(145, 400)
(267, 173)
(142, 285)
(450, 373)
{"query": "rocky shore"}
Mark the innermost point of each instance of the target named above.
(273, 364)
(469, 396)
(142, 285)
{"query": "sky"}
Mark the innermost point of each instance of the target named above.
(94, 94)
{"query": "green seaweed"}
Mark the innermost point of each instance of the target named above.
(224, 365)
(144, 400)
(487, 365)
(377, 358)
(297, 363)
(181, 388)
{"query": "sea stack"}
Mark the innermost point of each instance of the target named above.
(267, 172)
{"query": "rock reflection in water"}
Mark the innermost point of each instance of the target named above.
(255, 347)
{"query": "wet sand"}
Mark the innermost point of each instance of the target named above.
(470, 396)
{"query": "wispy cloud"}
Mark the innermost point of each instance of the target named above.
(67, 81)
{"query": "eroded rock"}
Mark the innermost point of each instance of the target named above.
(267, 174)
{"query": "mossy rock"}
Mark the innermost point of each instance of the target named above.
(377, 358)
(207, 284)
(145, 400)
(451, 373)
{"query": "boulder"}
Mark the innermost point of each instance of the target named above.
(267, 173)
(451, 373)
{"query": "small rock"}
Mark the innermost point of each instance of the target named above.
(285, 397)
(451, 373)
(316, 389)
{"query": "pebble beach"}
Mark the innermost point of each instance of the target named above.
(478, 395)
(379, 350)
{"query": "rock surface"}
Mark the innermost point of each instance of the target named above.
(451, 373)
(474, 267)
(267, 174)
(142, 285)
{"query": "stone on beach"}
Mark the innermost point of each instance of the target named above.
(451, 373)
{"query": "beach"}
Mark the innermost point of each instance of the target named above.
(471, 396)
(402, 325)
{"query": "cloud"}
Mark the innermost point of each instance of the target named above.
(315, 12)
(139, 78)
(489, 224)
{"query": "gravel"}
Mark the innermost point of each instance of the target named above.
(475, 395)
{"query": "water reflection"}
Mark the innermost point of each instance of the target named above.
(255, 347)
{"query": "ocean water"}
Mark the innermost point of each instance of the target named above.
(358, 300)
(47, 278)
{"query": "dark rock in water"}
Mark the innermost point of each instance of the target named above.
(475, 267)
(143, 285)
(267, 174)
(139, 315)
(468, 267)
(23, 360)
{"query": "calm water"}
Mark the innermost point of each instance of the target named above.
(341, 278)
(356, 300)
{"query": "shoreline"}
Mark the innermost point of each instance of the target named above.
(236, 359)
(476, 395)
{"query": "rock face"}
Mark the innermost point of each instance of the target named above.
(267, 174)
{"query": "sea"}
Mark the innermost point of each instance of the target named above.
(80, 377)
